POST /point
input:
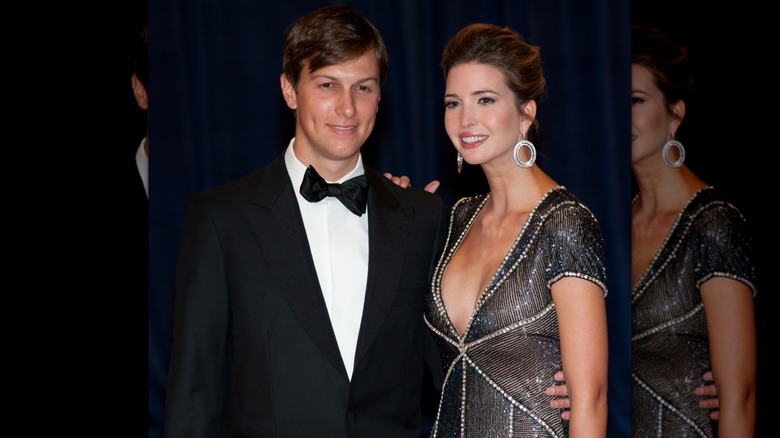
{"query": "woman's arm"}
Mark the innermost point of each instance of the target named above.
(732, 331)
(582, 319)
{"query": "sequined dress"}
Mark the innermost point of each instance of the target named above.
(496, 374)
(670, 347)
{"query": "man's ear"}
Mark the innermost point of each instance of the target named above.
(139, 91)
(288, 91)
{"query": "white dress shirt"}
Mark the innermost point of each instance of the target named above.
(142, 161)
(338, 240)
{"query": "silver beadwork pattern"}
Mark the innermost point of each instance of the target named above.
(496, 373)
(670, 346)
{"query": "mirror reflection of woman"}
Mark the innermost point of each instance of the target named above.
(693, 278)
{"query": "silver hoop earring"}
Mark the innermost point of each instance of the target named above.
(460, 163)
(668, 145)
(531, 148)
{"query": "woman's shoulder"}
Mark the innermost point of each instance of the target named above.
(560, 202)
(470, 203)
(710, 209)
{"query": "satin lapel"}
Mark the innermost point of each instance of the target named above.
(387, 238)
(277, 225)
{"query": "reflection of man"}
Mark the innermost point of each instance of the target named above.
(302, 318)
(139, 81)
(158, 348)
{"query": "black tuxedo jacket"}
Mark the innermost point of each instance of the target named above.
(254, 354)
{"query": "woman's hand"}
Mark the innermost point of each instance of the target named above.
(405, 182)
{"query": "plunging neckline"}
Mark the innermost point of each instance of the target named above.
(644, 279)
(498, 273)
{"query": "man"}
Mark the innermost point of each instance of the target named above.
(139, 81)
(302, 318)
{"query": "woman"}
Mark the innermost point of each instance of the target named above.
(692, 275)
(519, 291)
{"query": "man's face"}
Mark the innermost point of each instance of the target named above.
(336, 110)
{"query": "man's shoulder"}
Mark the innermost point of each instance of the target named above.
(268, 176)
(406, 196)
(230, 190)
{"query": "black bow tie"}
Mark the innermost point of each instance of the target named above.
(352, 192)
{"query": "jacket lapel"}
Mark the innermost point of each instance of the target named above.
(387, 237)
(277, 225)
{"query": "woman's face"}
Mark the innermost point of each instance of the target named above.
(480, 115)
(651, 123)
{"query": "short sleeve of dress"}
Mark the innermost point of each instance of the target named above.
(576, 245)
(725, 246)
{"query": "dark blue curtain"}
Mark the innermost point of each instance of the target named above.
(217, 113)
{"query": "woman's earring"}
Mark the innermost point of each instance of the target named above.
(668, 145)
(531, 148)
(460, 163)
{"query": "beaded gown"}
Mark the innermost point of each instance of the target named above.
(670, 346)
(497, 372)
